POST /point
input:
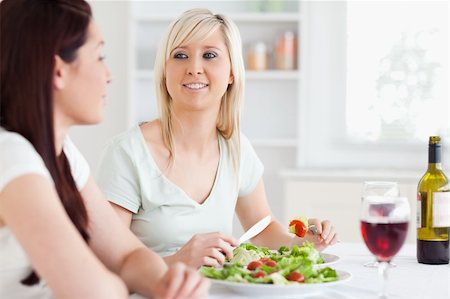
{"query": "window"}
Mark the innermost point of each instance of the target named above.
(376, 83)
(394, 88)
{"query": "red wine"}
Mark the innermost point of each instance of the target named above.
(384, 240)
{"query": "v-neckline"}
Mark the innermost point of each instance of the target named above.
(171, 183)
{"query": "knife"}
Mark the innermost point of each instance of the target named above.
(255, 229)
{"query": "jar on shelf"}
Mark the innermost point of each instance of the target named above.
(257, 57)
(286, 51)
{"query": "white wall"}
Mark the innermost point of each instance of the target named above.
(112, 19)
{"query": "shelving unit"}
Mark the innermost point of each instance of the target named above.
(250, 75)
(276, 17)
(270, 112)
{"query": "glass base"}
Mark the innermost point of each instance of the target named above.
(375, 263)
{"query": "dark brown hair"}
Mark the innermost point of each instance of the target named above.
(32, 33)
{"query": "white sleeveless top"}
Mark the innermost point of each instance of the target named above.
(18, 157)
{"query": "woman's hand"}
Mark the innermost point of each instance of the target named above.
(209, 249)
(326, 234)
(181, 281)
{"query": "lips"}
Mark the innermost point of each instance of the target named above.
(195, 86)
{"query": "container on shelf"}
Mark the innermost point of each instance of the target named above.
(257, 57)
(286, 51)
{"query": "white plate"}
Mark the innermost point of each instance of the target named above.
(329, 259)
(278, 291)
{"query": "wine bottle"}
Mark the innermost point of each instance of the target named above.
(433, 210)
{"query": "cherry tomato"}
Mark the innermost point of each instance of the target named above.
(296, 276)
(259, 274)
(268, 262)
(298, 227)
(253, 265)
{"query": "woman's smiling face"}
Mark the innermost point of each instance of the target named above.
(198, 73)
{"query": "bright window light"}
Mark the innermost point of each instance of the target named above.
(397, 71)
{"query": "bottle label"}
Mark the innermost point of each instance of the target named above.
(419, 210)
(441, 209)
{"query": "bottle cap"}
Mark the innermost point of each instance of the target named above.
(435, 141)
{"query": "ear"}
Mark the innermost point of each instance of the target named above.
(231, 79)
(60, 73)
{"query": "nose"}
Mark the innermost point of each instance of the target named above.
(195, 67)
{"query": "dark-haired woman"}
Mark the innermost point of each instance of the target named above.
(58, 235)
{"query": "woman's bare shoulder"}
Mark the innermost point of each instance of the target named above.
(152, 131)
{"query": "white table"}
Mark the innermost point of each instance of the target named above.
(409, 280)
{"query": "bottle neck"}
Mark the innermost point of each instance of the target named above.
(434, 157)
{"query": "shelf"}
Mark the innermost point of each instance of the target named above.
(272, 75)
(250, 75)
(274, 142)
(287, 17)
(266, 17)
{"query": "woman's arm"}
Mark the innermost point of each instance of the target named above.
(208, 249)
(30, 207)
(254, 206)
(142, 270)
(124, 214)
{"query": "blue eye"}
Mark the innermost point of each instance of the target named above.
(180, 56)
(209, 55)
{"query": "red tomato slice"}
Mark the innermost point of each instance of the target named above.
(296, 276)
(298, 228)
(253, 265)
(268, 262)
(259, 274)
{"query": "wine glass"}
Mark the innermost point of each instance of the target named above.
(379, 188)
(384, 224)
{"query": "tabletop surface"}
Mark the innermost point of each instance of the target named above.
(408, 280)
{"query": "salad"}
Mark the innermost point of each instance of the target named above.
(253, 264)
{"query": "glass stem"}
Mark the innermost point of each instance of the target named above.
(382, 273)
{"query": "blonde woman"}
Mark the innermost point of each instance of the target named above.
(178, 180)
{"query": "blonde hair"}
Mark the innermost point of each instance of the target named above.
(195, 25)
